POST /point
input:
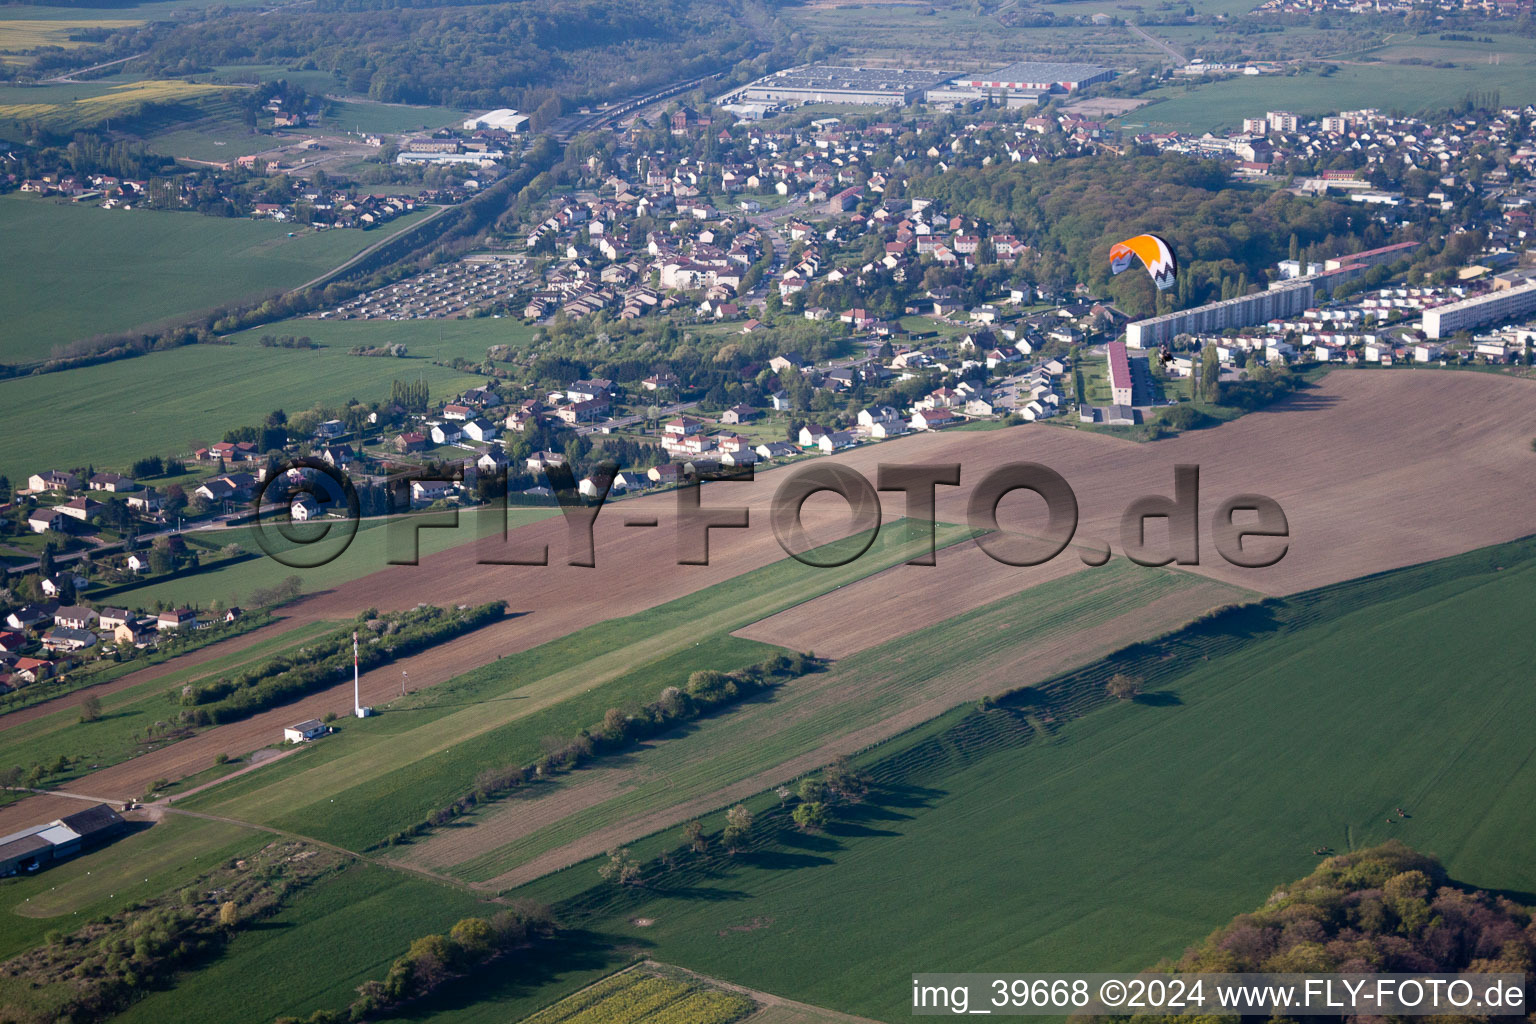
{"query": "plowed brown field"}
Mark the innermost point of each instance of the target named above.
(1375, 469)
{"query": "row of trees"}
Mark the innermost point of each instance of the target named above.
(706, 691)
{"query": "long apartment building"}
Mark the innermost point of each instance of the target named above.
(1443, 321)
(1284, 298)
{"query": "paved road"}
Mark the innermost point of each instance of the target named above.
(69, 76)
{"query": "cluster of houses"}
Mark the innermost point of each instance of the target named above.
(37, 639)
(1382, 148)
(677, 233)
(1474, 8)
(328, 207)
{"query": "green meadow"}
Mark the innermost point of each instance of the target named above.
(1219, 105)
(436, 339)
(173, 402)
(75, 270)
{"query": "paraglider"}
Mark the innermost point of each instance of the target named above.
(1155, 255)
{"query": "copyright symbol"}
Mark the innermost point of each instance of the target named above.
(1112, 992)
(320, 480)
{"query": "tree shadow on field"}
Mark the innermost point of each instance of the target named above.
(781, 860)
(571, 954)
(906, 796)
(1158, 699)
(808, 841)
(697, 893)
(853, 830)
(853, 820)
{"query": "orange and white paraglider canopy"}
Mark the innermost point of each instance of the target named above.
(1155, 255)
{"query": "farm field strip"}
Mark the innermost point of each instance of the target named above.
(860, 701)
(647, 638)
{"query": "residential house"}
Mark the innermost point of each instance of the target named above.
(425, 492)
(935, 419)
(30, 616)
(111, 618)
(74, 616)
(776, 450)
(739, 414)
(44, 519)
(53, 480)
(176, 621)
(113, 482)
(81, 508)
(32, 670)
(446, 433)
(62, 639)
(480, 429)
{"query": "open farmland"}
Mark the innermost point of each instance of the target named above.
(67, 277)
(362, 917)
(403, 769)
(114, 413)
(436, 339)
(1359, 511)
(1270, 732)
(70, 106)
(1223, 104)
(860, 701)
(20, 34)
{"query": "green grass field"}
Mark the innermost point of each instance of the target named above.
(172, 402)
(147, 862)
(435, 339)
(1223, 104)
(358, 921)
(389, 772)
(73, 271)
(1132, 831)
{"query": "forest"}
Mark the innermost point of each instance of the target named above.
(1228, 235)
(535, 55)
(1380, 910)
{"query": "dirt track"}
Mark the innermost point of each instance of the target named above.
(1375, 469)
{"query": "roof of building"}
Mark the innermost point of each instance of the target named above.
(1119, 366)
(93, 820)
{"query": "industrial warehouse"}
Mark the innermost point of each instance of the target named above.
(835, 83)
(1041, 77)
(1016, 85)
(31, 850)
